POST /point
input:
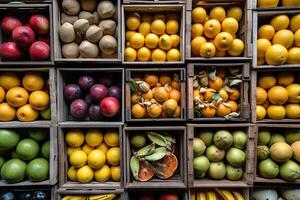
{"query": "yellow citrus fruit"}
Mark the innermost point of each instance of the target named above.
(173, 55)
(262, 47)
(115, 173)
(158, 55)
(198, 15)
(129, 34)
(280, 22)
(2, 94)
(267, 3)
(96, 159)
(233, 105)
(196, 44)
(111, 138)
(197, 30)
(130, 54)
(17, 96)
(276, 112)
(297, 38)
(220, 53)
(212, 28)
(103, 147)
(230, 25)
(33, 81)
(70, 150)
(7, 112)
(260, 112)
(218, 13)
(165, 78)
(146, 17)
(75, 137)
(294, 56)
(266, 104)
(235, 12)
(294, 91)
(151, 41)
(151, 79)
(137, 40)
(285, 78)
(143, 54)
(165, 42)
(284, 37)
(266, 81)
(207, 50)
(175, 40)
(160, 16)
(261, 95)
(9, 80)
(278, 95)
(172, 27)
(154, 110)
(295, 23)
(223, 110)
(292, 111)
(78, 158)
(223, 41)
(158, 27)
(223, 94)
(266, 31)
(93, 137)
(87, 149)
(261, 61)
(148, 95)
(276, 55)
(39, 100)
(133, 21)
(237, 48)
(144, 28)
(103, 174)
(138, 111)
(290, 3)
(85, 174)
(113, 156)
(26, 113)
(72, 173)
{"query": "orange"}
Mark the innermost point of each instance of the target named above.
(158, 27)
(173, 55)
(33, 81)
(103, 147)
(96, 159)
(72, 173)
(208, 94)
(113, 156)
(262, 47)
(220, 53)
(218, 13)
(294, 91)
(151, 79)
(144, 28)
(175, 85)
(175, 94)
(138, 111)
(143, 54)
(9, 80)
(223, 94)
(161, 94)
(87, 149)
(165, 78)
(294, 57)
(198, 15)
(207, 50)
(197, 30)
(103, 174)
(260, 112)
(115, 173)
(151, 41)
(2, 94)
(93, 137)
(295, 23)
(111, 138)
(297, 38)
(276, 55)
(177, 113)
(261, 95)
(216, 84)
(85, 174)
(230, 25)
(276, 112)
(234, 95)
(165, 42)
(284, 37)
(17, 96)
(172, 27)
(237, 48)
(160, 16)
(266, 32)
(267, 3)
(261, 61)
(70, 150)
(158, 55)
(74, 137)
(212, 28)
(78, 158)
(7, 113)
(266, 81)
(26, 113)
(137, 40)
(130, 54)
(170, 106)
(278, 95)
(223, 41)
(175, 40)
(39, 100)
(233, 105)
(154, 110)
(196, 44)
(285, 78)
(280, 22)
(292, 111)
(221, 72)
(223, 110)
(135, 98)
(208, 111)
(235, 12)
(133, 21)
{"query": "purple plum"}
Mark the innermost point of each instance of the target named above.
(94, 112)
(79, 108)
(98, 92)
(72, 92)
(86, 82)
(114, 91)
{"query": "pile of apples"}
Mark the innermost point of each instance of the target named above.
(25, 38)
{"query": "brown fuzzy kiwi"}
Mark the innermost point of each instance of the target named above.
(81, 26)
(71, 7)
(88, 50)
(108, 45)
(66, 33)
(68, 18)
(106, 9)
(94, 34)
(87, 15)
(70, 50)
(88, 5)
(108, 26)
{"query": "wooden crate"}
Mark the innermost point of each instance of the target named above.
(244, 33)
(154, 1)
(52, 160)
(64, 183)
(280, 7)
(68, 74)
(155, 8)
(58, 54)
(19, 10)
(181, 73)
(179, 179)
(48, 72)
(247, 179)
(20, 189)
(276, 128)
(261, 18)
(272, 186)
(132, 193)
(244, 91)
(253, 94)
(244, 191)
(62, 192)
(190, 3)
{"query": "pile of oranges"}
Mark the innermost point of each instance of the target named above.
(93, 155)
(277, 96)
(215, 95)
(155, 96)
(275, 3)
(214, 34)
(152, 37)
(279, 41)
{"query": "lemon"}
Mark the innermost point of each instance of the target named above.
(158, 55)
(146, 17)
(196, 44)
(144, 28)
(160, 16)
(137, 41)
(143, 54)
(130, 54)
(207, 50)
(237, 48)
(260, 112)
(266, 81)
(133, 21)
(93, 137)
(297, 38)
(70, 150)
(103, 147)
(266, 31)
(230, 25)
(96, 159)
(113, 156)
(172, 27)
(85, 174)
(173, 55)
(33, 81)
(284, 37)
(218, 13)
(75, 137)
(165, 42)
(115, 173)
(111, 138)
(72, 173)
(235, 12)
(294, 56)
(262, 47)
(9, 80)
(198, 15)
(211, 28)
(197, 30)
(129, 34)
(280, 22)
(295, 23)
(151, 41)
(78, 158)
(103, 174)
(158, 27)
(276, 55)
(267, 3)
(175, 40)
(87, 149)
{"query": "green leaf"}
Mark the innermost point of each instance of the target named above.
(132, 85)
(216, 96)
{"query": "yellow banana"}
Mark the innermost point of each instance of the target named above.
(193, 196)
(102, 197)
(211, 195)
(238, 195)
(74, 197)
(202, 196)
(225, 194)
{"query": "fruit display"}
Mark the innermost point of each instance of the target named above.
(220, 154)
(158, 195)
(89, 29)
(152, 37)
(277, 96)
(94, 97)
(273, 194)
(215, 31)
(216, 92)
(22, 194)
(92, 197)
(25, 38)
(278, 154)
(24, 155)
(155, 95)
(153, 154)
(93, 155)
(215, 194)
(278, 40)
(24, 96)
(277, 3)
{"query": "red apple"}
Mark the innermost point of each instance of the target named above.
(23, 36)
(10, 51)
(169, 196)
(109, 106)
(39, 51)
(9, 23)
(40, 24)
(146, 197)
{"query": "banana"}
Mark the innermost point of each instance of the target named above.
(238, 195)
(134, 166)
(158, 154)
(193, 195)
(102, 197)
(201, 196)
(158, 139)
(211, 195)
(145, 151)
(74, 197)
(225, 194)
